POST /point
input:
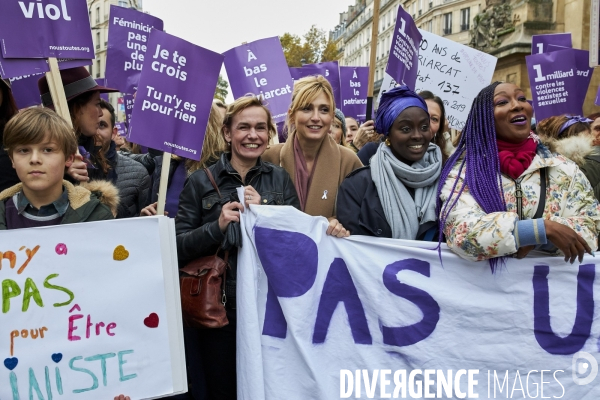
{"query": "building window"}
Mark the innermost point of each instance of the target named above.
(97, 15)
(465, 17)
(122, 3)
(97, 40)
(430, 26)
(97, 68)
(447, 23)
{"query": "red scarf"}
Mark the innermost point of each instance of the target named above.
(516, 158)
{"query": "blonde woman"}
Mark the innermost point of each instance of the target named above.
(316, 164)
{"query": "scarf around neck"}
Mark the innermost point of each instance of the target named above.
(391, 177)
(516, 158)
(303, 178)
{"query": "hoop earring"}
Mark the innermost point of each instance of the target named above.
(387, 142)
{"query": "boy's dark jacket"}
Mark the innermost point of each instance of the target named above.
(92, 201)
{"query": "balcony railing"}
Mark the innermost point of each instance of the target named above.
(464, 27)
(447, 31)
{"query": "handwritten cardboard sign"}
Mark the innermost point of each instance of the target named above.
(128, 34)
(175, 96)
(88, 318)
(45, 28)
(260, 68)
(454, 72)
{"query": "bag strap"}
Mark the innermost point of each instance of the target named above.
(543, 184)
(212, 181)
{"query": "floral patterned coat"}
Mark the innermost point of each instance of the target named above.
(474, 235)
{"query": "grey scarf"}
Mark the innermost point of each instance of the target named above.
(391, 176)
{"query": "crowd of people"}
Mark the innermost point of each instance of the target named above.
(503, 189)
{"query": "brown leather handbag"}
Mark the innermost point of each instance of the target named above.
(202, 285)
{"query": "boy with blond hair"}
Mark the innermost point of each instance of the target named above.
(41, 145)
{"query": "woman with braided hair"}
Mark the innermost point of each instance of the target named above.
(504, 193)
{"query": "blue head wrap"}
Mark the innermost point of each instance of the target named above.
(393, 102)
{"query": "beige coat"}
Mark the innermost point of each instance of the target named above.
(333, 164)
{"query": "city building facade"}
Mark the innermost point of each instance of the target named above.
(502, 28)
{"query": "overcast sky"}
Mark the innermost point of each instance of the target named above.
(221, 25)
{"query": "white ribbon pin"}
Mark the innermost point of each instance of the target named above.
(324, 195)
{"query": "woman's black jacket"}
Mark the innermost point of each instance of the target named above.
(197, 221)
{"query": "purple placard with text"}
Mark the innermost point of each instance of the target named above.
(127, 45)
(260, 68)
(128, 103)
(46, 28)
(539, 43)
(404, 52)
(25, 90)
(559, 81)
(330, 71)
(15, 67)
(175, 96)
(102, 82)
(354, 82)
(121, 129)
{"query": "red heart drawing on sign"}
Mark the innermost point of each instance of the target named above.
(151, 321)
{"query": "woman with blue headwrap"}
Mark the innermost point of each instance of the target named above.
(395, 196)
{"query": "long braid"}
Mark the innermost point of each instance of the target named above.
(482, 175)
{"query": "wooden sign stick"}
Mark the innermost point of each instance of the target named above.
(372, 60)
(57, 91)
(164, 180)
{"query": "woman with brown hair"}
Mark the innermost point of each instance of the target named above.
(316, 164)
(83, 98)
(206, 218)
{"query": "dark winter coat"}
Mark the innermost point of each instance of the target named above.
(8, 175)
(133, 183)
(197, 221)
(360, 211)
(88, 202)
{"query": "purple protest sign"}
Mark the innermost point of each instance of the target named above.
(25, 90)
(539, 43)
(559, 82)
(330, 71)
(354, 82)
(403, 62)
(597, 102)
(260, 68)
(127, 44)
(102, 82)
(175, 96)
(128, 102)
(15, 67)
(121, 128)
(46, 28)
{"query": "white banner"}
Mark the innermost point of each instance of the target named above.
(90, 311)
(326, 318)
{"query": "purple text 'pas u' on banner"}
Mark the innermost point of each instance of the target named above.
(175, 96)
(354, 82)
(404, 53)
(128, 32)
(330, 70)
(260, 68)
(559, 82)
(45, 28)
